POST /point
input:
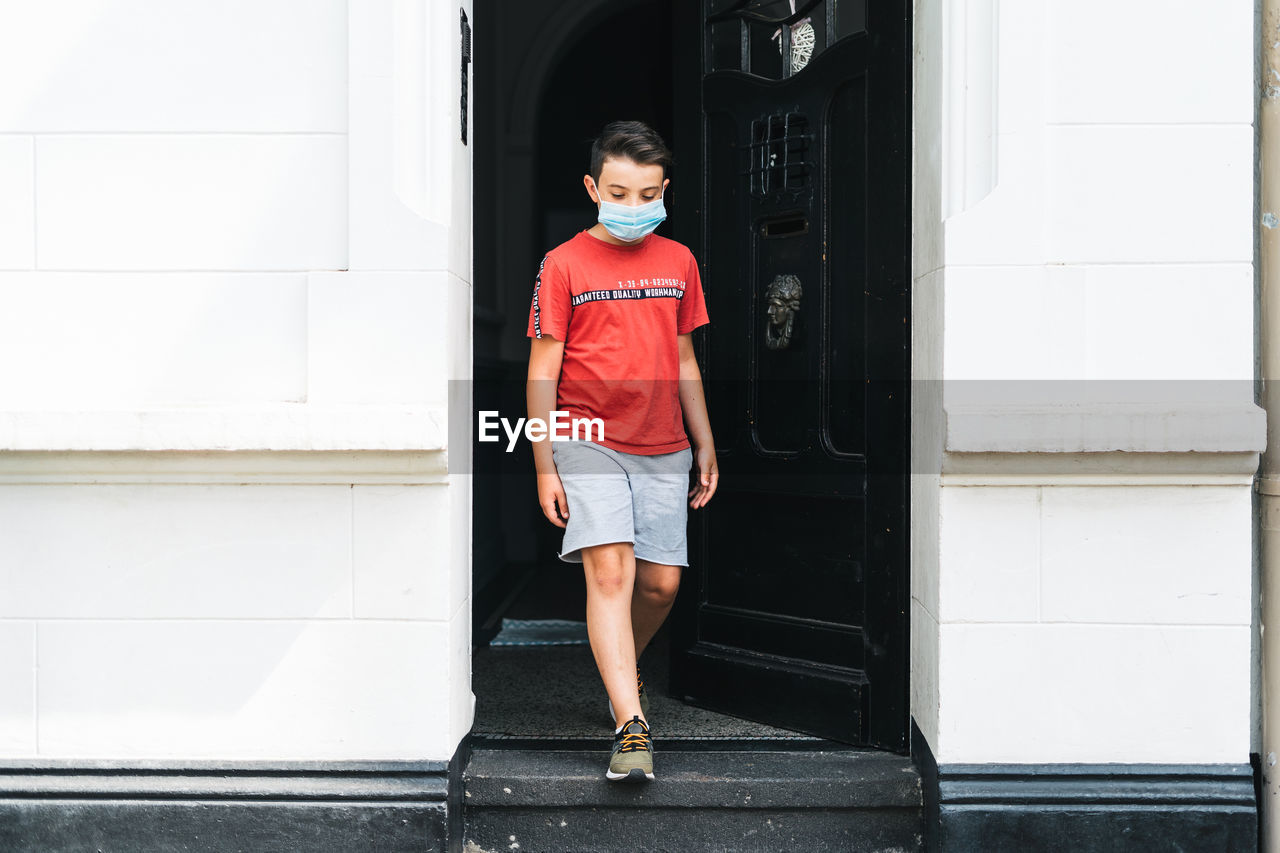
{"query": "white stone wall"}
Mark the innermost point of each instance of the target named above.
(235, 265)
(1089, 598)
(235, 271)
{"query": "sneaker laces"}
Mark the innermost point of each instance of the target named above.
(632, 741)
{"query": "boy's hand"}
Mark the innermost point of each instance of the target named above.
(708, 476)
(551, 493)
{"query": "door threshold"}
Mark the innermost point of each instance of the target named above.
(800, 743)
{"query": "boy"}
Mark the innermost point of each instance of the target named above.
(612, 312)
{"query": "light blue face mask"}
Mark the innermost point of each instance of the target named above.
(631, 222)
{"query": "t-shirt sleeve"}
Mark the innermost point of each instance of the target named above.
(549, 311)
(693, 307)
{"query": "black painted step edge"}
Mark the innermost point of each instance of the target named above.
(253, 806)
(1087, 806)
(545, 780)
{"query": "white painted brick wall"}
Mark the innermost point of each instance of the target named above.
(1079, 623)
(1107, 621)
(216, 207)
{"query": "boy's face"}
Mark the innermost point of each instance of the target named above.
(623, 181)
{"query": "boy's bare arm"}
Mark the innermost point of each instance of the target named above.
(545, 356)
(691, 398)
(694, 405)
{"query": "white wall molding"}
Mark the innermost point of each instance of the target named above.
(970, 100)
(403, 147)
(262, 427)
(234, 467)
(1213, 428)
(1105, 469)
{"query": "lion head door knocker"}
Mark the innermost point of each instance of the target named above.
(783, 299)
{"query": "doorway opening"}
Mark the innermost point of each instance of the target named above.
(537, 679)
(805, 638)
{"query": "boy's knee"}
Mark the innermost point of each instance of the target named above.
(607, 581)
(661, 590)
(606, 569)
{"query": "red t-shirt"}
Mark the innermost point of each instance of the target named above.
(618, 310)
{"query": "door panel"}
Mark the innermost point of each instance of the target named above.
(794, 610)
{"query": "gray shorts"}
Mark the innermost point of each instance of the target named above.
(624, 497)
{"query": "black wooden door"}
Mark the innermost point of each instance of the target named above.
(795, 609)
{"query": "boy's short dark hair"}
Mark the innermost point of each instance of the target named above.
(634, 140)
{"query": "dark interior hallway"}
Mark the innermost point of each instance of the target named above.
(554, 692)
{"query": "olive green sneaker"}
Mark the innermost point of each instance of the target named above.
(644, 699)
(632, 757)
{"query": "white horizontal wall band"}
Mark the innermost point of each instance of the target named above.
(1112, 468)
(1048, 479)
(1219, 428)
(239, 467)
(285, 426)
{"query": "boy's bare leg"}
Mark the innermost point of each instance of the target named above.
(655, 592)
(610, 572)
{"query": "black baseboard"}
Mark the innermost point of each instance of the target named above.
(1094, 807)
(417, 806)
(70, 806)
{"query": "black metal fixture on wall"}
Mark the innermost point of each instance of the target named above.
(466, 59)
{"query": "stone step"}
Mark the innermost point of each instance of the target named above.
(743, 799)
